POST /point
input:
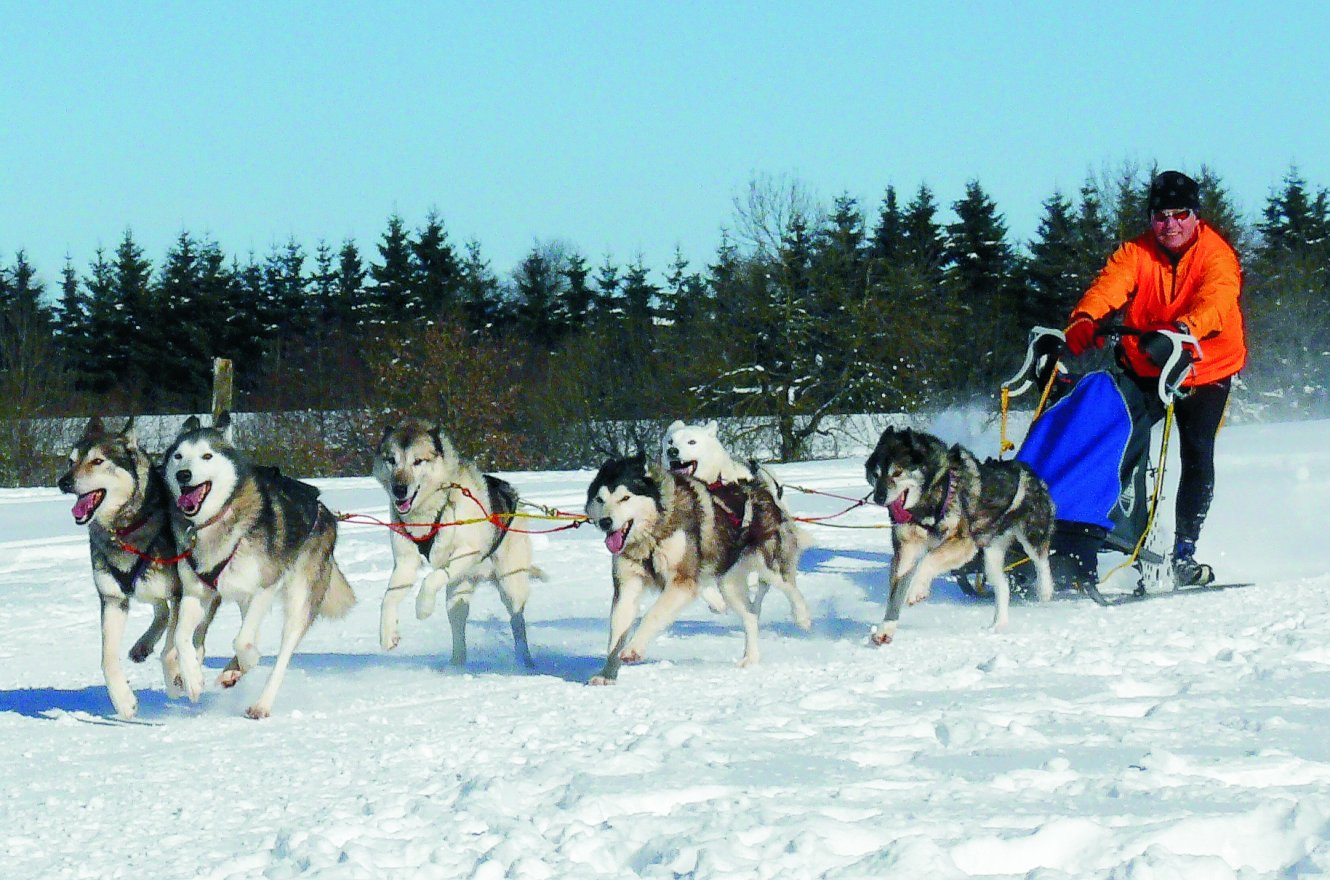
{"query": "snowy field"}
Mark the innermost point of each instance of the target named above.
(1178, 739)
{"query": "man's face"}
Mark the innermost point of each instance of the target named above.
(1174, 228)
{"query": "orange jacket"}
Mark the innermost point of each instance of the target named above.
(1201, 291)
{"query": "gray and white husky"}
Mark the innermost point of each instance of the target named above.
(124, 503)
(666, 532)
(945, 507)
(253, 536)
(440, 505)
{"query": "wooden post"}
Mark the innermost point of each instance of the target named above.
(222, 383)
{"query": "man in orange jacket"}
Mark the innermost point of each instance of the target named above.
(1183, 276)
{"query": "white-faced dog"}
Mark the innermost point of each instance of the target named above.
(124, 503)
(666, 532)
(429, 488)
(696, 451)
(946, 506)
(253, 536)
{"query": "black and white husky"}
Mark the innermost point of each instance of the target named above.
(945, 507)
(253, 536)
(441, 507)
(666, 532)
(124, 503)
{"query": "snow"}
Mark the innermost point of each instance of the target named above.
(1170, 739)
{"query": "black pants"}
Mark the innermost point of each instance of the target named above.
(1198, 414)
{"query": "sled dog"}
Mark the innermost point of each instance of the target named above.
(429, 484)
(945, 507)
(123, 501)
(667, 532)
(253, 536)
(696, 451)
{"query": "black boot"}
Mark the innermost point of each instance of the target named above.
(1187, 572)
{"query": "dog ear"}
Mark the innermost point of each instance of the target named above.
(712, 427)
(127, 432)
(191, 424)
(94, 426)
(387, 429)
(675, 425)
(224, 425)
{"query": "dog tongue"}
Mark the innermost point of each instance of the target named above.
(84, 507)
(192, 499)
(897, 509)
(614, 541)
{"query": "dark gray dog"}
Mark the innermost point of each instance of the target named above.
(945, 507)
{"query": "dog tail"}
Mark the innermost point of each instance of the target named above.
(339, 598)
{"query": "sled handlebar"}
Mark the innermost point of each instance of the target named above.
(1047, 346)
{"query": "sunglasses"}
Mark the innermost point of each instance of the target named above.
(1178, 214)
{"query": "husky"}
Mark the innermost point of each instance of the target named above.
(123, 501)
(696, 451)
(667, 532)
(252, 535)
(945, 507)
(448, 514)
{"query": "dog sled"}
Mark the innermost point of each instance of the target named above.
(1089, 440)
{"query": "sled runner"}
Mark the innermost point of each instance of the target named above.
(1089, 441)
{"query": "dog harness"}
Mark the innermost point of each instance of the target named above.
(500, 504)
(901, 516)
(128, 580)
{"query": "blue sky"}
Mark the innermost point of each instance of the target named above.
(618, 128)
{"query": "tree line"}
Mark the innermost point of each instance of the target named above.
(804, 311)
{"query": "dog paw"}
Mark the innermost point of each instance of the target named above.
(388, 641)
(175, 687)
(230, 678)
(631, 655)
(602, 680)
(424, 604)
(915, 598)
(193, 686)
(747, 662)
(804, 622)
(883, 634)
(257, 712)
(126, 706)
(140, 652)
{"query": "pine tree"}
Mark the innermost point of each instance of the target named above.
(74, 337)
(481, 305)
(1217, 208)
(640, 298)
(392, 295)
(540, 316)
(108, 322)
(578, 295)
(133, 364)
(683, 300)
(1053, 282)
(348, 309)
(924, 246)
(176, 301)
(437, 270)
(889, 234)
(609, 292)
(980, 277)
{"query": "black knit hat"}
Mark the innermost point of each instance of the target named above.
(1173, 189)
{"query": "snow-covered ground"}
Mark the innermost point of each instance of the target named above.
(1170, 739)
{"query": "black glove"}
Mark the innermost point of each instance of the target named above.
(1158, 347)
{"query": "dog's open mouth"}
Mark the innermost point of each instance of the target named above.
(683, 468)
(404, 505)
(191, 498)
(615, 540)
(87, 505)
(897, 508)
